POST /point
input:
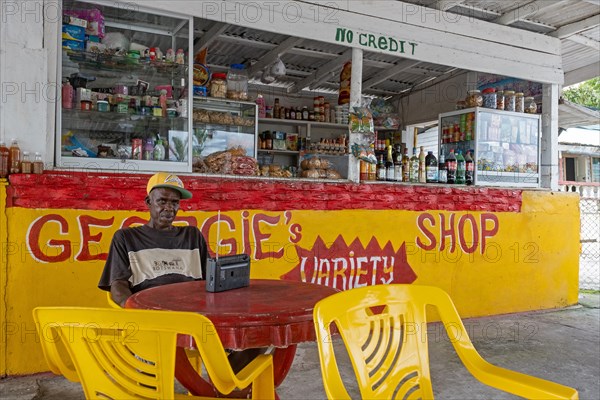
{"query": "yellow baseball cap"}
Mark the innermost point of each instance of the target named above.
(169, 181)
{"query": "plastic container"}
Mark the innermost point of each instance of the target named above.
(4, 167)
(237, 82)
(102, 106)
(509, 100)
(38, 164)
(530, 105)
(489, 98)
(218, 85)
(519, 102)
(474, 99)
(14, 157)
(500, 100)
(26, 166)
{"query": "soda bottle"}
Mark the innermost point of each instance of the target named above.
(405, 166)
(442, 170)
(431, 168)
(422, 176)
(414, 167)
(460, 168)
(4, 166)
(469, 168)
(451, 167)
(14, 157)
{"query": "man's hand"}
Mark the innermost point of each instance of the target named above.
(120, 292)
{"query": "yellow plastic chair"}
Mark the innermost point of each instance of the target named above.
(111, 302)
(125, 354)
(384, 330)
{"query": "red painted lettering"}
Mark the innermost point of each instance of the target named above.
(474, 234)
(230, 242)
(421, 225)
(33, 240)
(447, 232)
(260, 237)
(485, 232)
(85, 221)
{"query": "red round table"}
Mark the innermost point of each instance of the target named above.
(266, 313)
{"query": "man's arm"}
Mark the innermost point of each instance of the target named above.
(120, 291)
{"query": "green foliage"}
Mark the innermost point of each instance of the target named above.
(587, 93)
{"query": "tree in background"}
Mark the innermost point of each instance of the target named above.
(586, 93)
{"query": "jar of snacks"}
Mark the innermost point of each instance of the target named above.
(509, 100)
(530, 105)
(218, 85)
(489, 98)
(237, 82)
(500, 100)
(519, 102)
(474, 99)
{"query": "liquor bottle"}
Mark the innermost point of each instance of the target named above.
(422, 176)
(414, 167)
(405, 166)
(442, 170)
(380, 169)
(460, 168)
(4, 166)
(389, 166)
(398, 164)
(451, 167)
(431, 168)
(14, 157)
(469, 168)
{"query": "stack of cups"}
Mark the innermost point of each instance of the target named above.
(341, 114)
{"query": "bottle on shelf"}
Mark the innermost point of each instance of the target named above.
(14, 157)
(268, 140)
(38, 164)
(431, 168)
(158, 152)
(451, 167)
(26, 166)
(397, 164)
(277, 109)
(405, 166)
(292, 113)
(372, 175)
(148, 149)
(422, 175)
(380, 169)
(414, 167)
(442, 170)
(67, 94)
(389, 166)
(4, 166)
(469, 169)
(460, 168)
(262, 109)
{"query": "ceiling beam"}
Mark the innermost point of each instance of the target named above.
(323, 72)
(273, 54)
(402, 66)
(525, 11)
(210, 36)
(576, 27)
(582, 74)
(445, 5)
(586, 41)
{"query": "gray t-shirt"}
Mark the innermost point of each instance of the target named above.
(149, 257)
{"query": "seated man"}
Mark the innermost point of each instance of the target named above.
(159, 253)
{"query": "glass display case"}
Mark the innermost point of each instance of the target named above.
(505, 145)
(124, 103)
(221, 124)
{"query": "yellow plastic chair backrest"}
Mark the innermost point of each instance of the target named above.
(111, 302)
(131, 353)
(384, 329)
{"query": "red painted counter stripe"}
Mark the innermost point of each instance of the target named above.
(100, 191)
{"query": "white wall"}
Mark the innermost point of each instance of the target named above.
(26, 96)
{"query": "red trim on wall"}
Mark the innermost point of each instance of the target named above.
(101, 191)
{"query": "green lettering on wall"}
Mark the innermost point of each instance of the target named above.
(362, 39)
(344, 35)
(382, 43)
(393, 45)
(390, 44)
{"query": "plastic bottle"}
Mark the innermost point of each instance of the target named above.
(26, 166)
(460, 168)
(442, 170)
(431, 168)
(451, 167)
(422, 175)
(262, 110)
(159, 150)
(14, 158)
(469, 169)
(67, 95)
(4, 166)
(148, 149)
(38, 164)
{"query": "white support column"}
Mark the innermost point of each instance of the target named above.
(355, 99)
(549, 145)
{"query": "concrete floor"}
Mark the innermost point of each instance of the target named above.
(560, 345)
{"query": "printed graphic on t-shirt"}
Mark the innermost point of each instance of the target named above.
(152, 263)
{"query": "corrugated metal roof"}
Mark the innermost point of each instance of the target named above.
(308, 57)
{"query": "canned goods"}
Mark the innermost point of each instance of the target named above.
(136, 149)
